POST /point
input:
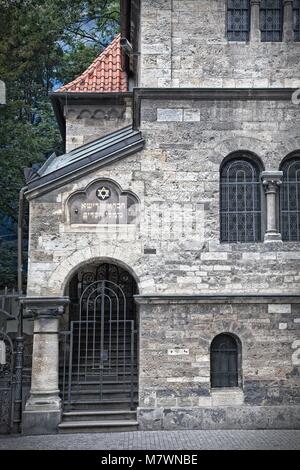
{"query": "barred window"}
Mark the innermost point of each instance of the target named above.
(271, 20)
(240, 201)
(297, 19)
(238, 20)
(224, 368)
(290, 200)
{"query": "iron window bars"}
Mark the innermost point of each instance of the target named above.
(224, 361)
(240, 203)
(271, 20)
(238, 20)
(290, 200)
(297, 20)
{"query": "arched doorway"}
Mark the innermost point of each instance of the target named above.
(98, 354)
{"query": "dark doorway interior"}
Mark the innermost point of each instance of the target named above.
(98, 356)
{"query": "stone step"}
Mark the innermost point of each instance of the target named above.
(94, 387)
(97, 426)
(96, 415)
(111, 375)
(97, 395)
(113, 364)
(100, 405)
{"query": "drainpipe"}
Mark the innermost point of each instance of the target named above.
(18, 408)
(20, 239)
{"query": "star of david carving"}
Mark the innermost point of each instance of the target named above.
(103, 193)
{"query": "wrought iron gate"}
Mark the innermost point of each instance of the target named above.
(100, 346)
(6, 383)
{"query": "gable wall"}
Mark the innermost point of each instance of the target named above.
(87, 122)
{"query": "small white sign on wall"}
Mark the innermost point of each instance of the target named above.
(178, 352)
(2, 352)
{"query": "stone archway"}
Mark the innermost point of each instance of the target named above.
(99, 343)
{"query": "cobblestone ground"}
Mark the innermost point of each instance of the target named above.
(159, 440)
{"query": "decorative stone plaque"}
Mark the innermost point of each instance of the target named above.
(102, 202)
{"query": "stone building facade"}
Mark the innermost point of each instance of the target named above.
(200, 105)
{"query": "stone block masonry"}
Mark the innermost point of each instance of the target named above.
(184, 44)
(175, 390)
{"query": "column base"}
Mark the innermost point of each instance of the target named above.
(42, 414)
(273, 237)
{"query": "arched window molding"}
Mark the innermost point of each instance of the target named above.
(290, 199)
(240, 199)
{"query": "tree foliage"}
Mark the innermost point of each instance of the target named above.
(43, 43)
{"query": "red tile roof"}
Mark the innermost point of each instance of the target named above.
(105, 74)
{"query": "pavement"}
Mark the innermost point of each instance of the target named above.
(159, 440)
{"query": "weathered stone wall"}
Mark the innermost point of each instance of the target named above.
(186, 142)
(177, 173)
(85, 123)
(184, 44)
(174, 381)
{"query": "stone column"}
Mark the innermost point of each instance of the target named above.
(288, 21)
(255, 35)
(271, 182)
(43, 408)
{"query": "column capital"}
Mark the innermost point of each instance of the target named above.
(271, 180)
(45, 307)
(255, 2)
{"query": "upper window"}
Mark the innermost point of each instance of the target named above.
(297, 19)
(238, 20)
(240, 200)
(271, 20)
(224, 361)
(290, 200)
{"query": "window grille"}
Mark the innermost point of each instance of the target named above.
(290, 200)
(224, 361)
(238, 20)
(240, 201)
(271, 20)
(297, 20)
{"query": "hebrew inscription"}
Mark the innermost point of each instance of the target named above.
(102, 202)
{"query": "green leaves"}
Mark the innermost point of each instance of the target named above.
(43, 44)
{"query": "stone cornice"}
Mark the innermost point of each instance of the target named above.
(217, 299)
(46, 307)
(207, 94)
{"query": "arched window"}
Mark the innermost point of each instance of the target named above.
(224, 361)
(238, 20)
(240, 200)
(290, 200)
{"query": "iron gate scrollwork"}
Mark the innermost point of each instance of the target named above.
(6, 383)
(99, 349)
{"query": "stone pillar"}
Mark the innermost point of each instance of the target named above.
(288, 21)
(43, 408)
(271, 182)
(255, 35)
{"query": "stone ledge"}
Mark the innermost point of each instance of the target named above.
(229, 417)
(217, 299)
